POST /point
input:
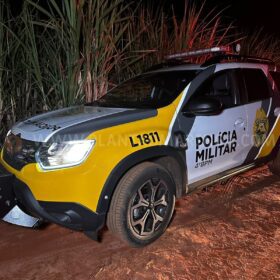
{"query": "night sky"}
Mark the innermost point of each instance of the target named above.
(247, 14)
(252, 13)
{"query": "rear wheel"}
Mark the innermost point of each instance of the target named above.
(142, 205)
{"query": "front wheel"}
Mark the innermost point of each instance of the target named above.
(142, 205)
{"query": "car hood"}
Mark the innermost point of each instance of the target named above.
(76, 123)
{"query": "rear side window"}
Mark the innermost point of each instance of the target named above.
(256, 84)
(276, 78)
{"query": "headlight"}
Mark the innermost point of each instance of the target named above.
(64, 154)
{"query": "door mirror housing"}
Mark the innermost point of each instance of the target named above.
(203, 106)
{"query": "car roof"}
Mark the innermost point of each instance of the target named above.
(222, 56)
(199, 67)
(184, 67)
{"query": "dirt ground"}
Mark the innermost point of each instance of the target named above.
(229, 231)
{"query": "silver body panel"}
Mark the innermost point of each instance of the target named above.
(42, 127)
(17, 217)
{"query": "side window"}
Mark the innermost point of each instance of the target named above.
(220, 87)
(256, 84)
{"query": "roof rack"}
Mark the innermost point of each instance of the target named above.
(237, 57)
(167, 64)
(218, 55)
(213, 56)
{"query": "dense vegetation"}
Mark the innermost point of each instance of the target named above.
(73, 52)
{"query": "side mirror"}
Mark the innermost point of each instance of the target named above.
(203, 106)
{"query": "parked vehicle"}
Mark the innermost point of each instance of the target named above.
(125, 158)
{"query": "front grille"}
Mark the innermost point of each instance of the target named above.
(18, 152)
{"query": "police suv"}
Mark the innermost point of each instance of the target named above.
(125, 158)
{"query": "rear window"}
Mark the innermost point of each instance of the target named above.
(276, 78)
(256, 84)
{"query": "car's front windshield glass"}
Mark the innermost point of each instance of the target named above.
(151, 90)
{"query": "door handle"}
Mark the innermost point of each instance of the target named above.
(239, 122)
(277, 112)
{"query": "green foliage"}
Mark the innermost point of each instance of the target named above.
(74, 51)
(60, 56)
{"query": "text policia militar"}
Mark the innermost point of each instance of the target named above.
(211, 146)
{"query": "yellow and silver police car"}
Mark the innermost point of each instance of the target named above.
(125, 158)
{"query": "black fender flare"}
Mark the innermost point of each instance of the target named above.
(147, 154)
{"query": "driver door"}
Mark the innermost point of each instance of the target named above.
(216, 142)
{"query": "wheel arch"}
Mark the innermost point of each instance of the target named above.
(172, 159)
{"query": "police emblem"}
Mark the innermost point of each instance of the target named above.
(261, 127)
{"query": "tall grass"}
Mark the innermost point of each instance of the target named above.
(260, 44)
(73, 51)
(56, 57)
(8, 78)
(82, 44)
(162, 35)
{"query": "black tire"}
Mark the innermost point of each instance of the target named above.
(274, 165)
(142, 205)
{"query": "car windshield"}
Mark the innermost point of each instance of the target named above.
(151, 90)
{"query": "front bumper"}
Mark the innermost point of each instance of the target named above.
(67, 214)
